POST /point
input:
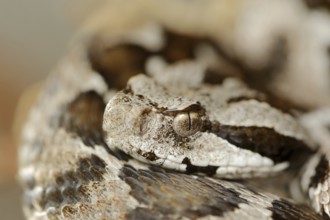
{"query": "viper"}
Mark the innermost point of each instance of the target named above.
(157, 121)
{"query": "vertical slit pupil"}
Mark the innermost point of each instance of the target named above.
(189, 121)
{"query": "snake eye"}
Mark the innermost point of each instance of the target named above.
(187, 123)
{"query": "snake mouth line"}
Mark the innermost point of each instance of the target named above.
(185, 165)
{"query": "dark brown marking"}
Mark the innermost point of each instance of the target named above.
(97, 173)
(262, 140)
(70, 195)
(260, 78)
(83, 190)
(128, 91)
(148, 155)
(59, 179)
(283, 210)
(69, 177)
(167, 193)
(321, 172)
(84, 116)
(70, 185)
(84, 175)
(208, 170)
(141, 97)
(53, 195)
(86, 165)
(117, 64)
(245, 98)
(69, 211)
(98, 162)
(214, 77)
(179, 47)
(318, 4)
(283, 104)
(129, 171)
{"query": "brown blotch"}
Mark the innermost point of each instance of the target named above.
(283, 104)
(84, 175)
(117, 64)
(244, 98)
(282, 209)
(59, 179)
(208, 170)
(97, 173)
(70, 195)
(90, 169)
(98, 162)
(83, 116)
(318, 4)
(53, 196)
(69, 211)
(214, 77)
(179, 47)
(70, 186)
(84, 163)
(83, 190)
(265, 141)
(148, 155)
(69, 177)
(321, 172)
(166, 193)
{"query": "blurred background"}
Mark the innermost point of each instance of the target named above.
(34, 36)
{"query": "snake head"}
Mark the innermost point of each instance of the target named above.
(199, 130)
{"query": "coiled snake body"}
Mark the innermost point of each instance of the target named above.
(106, 142)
